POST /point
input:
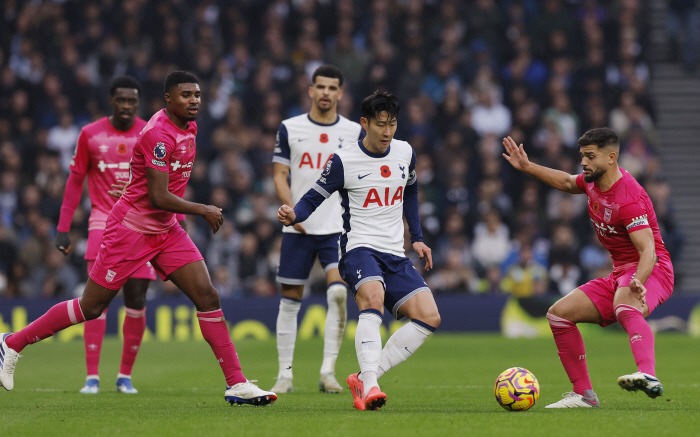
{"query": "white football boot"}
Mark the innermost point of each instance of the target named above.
(641, 381)
(92, 386)
(328, 384)
(248, 393)
(575, 400)
(283, 385)
(8, 361)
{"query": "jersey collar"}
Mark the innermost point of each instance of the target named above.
(337, 119)
(371, 154)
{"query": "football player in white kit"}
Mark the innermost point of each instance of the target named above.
(304, 144)
(376, 180)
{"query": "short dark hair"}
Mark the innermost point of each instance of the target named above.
(601, 137)
(328, 71)
(124, 82)
(177, 77)
(378, 102)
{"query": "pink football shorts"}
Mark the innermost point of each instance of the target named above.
(124, 251)
(602, 290)
(146, 271)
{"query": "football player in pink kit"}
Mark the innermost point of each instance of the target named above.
(142, 226)
(103, 153)
(642, 276)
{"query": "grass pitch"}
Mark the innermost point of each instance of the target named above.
(445, 389)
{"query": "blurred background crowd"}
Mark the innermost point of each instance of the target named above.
(467, 73)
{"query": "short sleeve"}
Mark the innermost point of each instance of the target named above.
(80, 163)
(332, 179)
(634, 216)
(580, 183)
(156, 148)
(282, 152)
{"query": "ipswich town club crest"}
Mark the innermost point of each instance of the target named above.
(159, 151)
(608, 215)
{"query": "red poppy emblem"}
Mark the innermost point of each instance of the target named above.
(121, 149)
(595, 207)
(385, 171)
(324, 138)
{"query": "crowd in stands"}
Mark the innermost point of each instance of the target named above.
(467, 73)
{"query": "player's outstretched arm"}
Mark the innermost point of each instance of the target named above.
(424, 251)
(161, 198)
(558, 179)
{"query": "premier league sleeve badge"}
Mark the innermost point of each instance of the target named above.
(159, 151)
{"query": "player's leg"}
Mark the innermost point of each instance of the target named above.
(179, 260)
(424, 317)
(286, 333)
(93, 330)
(337, 314)
(95, 300)
(407, 295)
(134, 325)
(368, 342)
(296, 259)
(576, 307)
(631, 314)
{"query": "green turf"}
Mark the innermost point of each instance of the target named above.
(446, 389)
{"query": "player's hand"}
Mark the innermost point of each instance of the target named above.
(300, 228)
(515, 155)
(424, 251)
(63, 242)
(286, 215)
(639, 289)
(118, 189)
(213, 217)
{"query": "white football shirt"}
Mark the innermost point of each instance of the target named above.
(306, 146)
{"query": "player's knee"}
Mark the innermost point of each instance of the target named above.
(293, 291)
(209, 299)
(337, 293)
(93, 311)
(433, 319)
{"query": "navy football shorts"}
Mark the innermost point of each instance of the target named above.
(299, 252)
(400, 279)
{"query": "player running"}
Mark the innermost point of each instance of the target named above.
(376, 181)
(304, 144)
(103, 153)
(142, 226)
(642, 276)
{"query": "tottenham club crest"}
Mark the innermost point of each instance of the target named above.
(159, 151)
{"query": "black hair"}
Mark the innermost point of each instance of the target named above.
(328, 71)
(177, 77)
(601, 137)
(379, 102)
(124, 82)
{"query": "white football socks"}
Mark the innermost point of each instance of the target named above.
(368, 346)
(403, 344)
(336, 317)
(286, 335)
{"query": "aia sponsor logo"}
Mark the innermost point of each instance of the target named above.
(373, 197)
(319, 162)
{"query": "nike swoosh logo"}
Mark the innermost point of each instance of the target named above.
(408, 351)
(362, 177)
(371, 341)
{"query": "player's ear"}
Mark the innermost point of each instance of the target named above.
(364, 123)
(340, 93)
(167, 97)
(311, 90)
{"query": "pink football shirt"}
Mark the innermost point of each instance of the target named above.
(164, 147)
(616, 213)
(103, 153)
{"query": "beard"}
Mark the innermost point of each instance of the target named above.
(594, 176)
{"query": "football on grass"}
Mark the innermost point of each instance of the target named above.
(517, 389)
